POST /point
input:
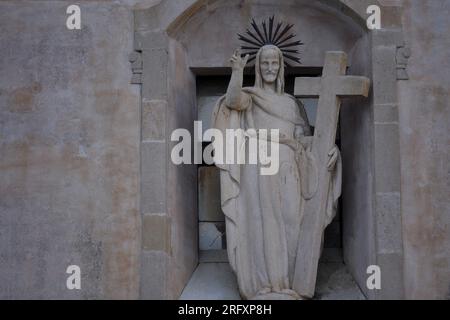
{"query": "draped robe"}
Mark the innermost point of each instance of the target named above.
(263, 213)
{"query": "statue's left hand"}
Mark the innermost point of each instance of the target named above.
(332, 158)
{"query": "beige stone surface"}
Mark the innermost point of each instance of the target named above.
(424, 139)
(69, 145)
(156, 232)
(153, 120)
(181, 189)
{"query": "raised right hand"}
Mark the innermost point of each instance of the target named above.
(237, 63)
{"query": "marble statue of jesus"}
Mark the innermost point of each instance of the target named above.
(264, 212)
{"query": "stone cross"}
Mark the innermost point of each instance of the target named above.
(329, 89)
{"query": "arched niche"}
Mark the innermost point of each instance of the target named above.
(176, 41)
(210, 34)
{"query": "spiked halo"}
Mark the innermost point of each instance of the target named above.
(278, 36)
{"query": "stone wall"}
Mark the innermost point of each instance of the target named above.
(425, 154)
(69, 145)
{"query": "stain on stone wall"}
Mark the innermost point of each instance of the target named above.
(424, 120)
(69, 145)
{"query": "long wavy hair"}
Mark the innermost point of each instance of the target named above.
(280, 77)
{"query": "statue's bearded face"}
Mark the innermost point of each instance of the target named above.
(269, 65)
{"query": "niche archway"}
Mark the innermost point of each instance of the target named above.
(175, 42)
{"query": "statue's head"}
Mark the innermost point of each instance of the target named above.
(271, 47)
(269, 68)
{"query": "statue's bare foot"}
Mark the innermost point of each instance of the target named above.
(264, 291)
(263, 294)
(284, 294)
(292, 293)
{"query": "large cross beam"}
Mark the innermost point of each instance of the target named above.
(333, 85)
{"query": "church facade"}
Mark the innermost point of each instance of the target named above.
(87, 173)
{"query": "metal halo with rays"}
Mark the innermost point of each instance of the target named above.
(270, 34)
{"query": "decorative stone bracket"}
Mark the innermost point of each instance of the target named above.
(402, 56)
(135, 59)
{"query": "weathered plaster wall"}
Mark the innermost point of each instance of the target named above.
(69, 145)
(425, 154)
